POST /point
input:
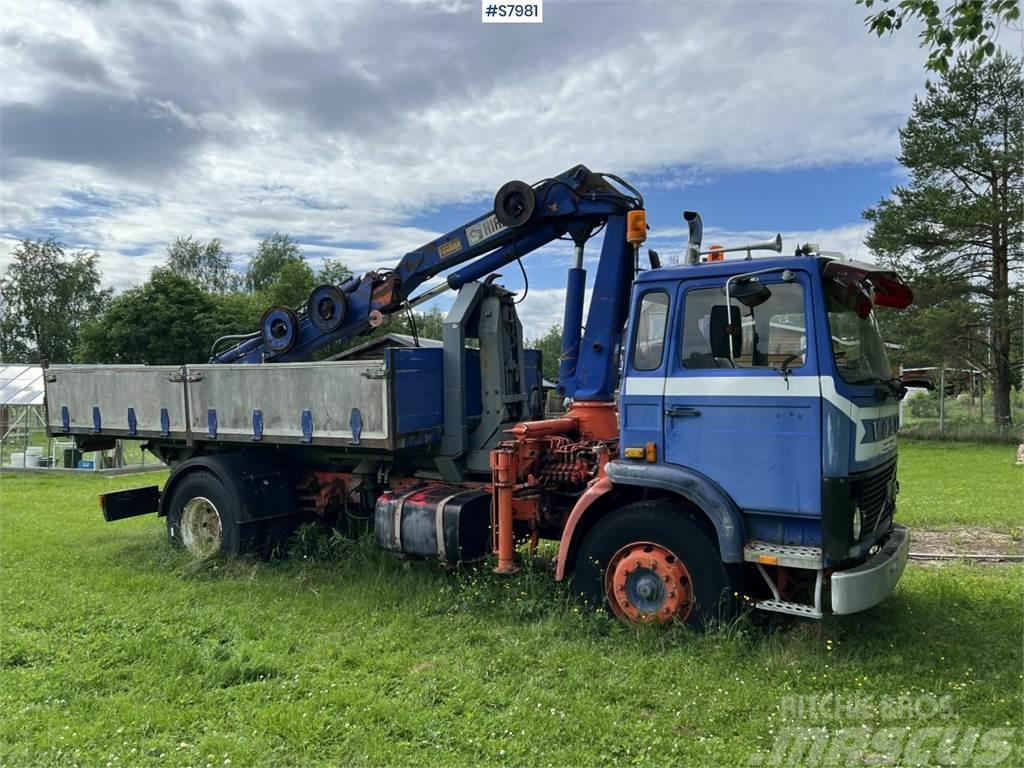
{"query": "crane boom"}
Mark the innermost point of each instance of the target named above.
(575, 205)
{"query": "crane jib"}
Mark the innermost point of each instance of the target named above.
(524, 218)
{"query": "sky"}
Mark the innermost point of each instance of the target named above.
(365, 129)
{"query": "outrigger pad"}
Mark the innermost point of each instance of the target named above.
(327, 308)
(514, 203)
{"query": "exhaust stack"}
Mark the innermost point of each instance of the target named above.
(693, 221)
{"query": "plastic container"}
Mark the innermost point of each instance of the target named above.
(18, 459)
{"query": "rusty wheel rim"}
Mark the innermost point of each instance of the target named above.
(647, 583)
(201, 531)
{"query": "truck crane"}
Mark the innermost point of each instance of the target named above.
(731, 426)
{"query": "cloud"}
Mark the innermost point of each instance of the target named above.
(67, 59)
(342, 122)
(112, 134)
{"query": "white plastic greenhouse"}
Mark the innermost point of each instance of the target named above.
(24, 443)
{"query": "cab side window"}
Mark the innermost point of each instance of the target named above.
(649, 339)
(763, 328)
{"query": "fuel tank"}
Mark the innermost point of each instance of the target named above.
(448, 522)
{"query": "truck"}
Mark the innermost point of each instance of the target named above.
(730, 429)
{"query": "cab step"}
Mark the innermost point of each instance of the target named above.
(786, 555)
(778, 605)
(793, 609)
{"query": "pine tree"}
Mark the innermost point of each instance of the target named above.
(959, 219)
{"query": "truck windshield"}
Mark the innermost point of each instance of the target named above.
(856, 342)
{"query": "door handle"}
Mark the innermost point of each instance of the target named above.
(681, 411)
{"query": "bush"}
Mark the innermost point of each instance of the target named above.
(978, 433)
(925, 405)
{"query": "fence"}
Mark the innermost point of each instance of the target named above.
(965, 416)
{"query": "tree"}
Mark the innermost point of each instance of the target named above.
(278, 270)
(944, 326)
(550, 345)
(959, 217)
(333, 271)
(46, 296)
(271, 256)
(237, 312)
(291, 287)
(205, 264)
(168, 320)
(429, 324)
(963, 22)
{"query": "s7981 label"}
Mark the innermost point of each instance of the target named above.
(511, 13)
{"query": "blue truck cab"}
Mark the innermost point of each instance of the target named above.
(764, 385)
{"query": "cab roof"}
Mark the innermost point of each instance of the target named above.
(888, 289)
(731, 267)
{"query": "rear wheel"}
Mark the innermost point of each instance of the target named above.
(649, 562)
(202, 530)
(204, 516)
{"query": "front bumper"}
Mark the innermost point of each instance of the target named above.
(869, 583)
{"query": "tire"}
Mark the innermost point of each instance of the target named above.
(659, 566)
(203, 516)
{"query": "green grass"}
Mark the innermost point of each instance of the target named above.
(117, 650)
(949, 485)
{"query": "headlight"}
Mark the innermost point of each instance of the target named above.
(858, 521)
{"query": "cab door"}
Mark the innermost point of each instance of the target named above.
(641, 403)
(742, 396)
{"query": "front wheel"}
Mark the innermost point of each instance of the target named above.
(649, 562)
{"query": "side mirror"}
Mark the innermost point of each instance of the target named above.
(725, 330)
(750, 293)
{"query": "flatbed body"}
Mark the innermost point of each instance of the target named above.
(371, 405)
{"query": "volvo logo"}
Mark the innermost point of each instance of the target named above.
(880, 428)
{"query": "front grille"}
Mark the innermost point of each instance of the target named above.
(872, 495)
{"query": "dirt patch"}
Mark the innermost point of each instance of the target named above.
(965, 541)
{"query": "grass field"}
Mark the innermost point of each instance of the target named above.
(118, 651)
(946, 485)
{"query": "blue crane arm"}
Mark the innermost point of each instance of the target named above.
(575, 204)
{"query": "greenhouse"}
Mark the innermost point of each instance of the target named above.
(24, 443)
